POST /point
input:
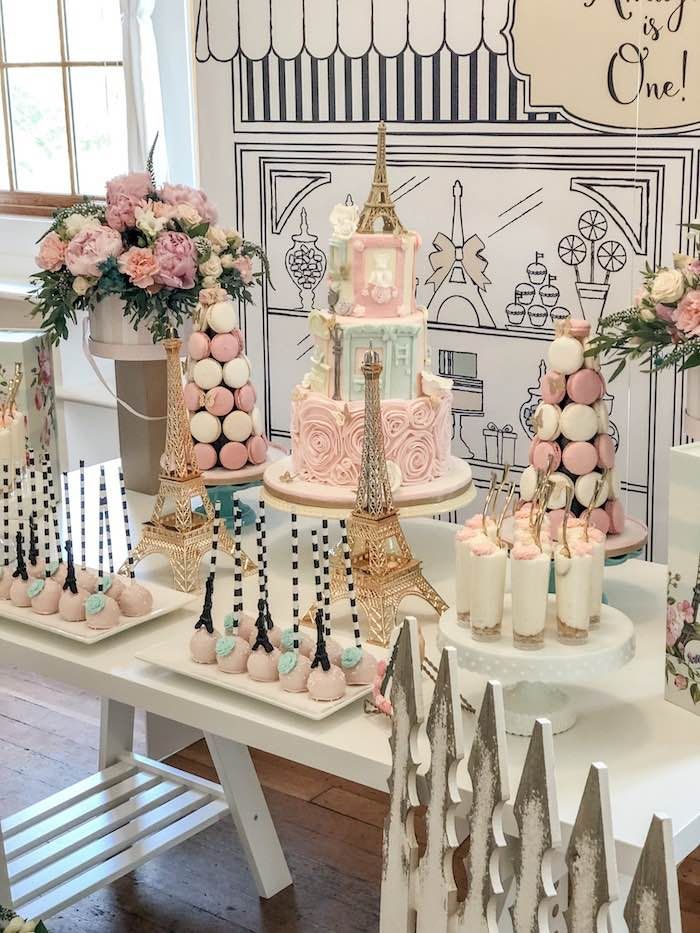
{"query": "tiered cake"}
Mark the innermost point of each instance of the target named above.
(372, 281)
(572, 436)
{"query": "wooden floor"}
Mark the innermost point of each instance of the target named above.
(330, 830)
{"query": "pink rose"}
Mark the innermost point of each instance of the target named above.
(693, 267)
(674, 626)
(244, 267)
(684, 608)
(210, 296)
(176, 258)
(140, 266)
(680, 682)
(182, 194)
(664, 313)
(52, 252)
(687, 314)
(124, 193)
(90, 248)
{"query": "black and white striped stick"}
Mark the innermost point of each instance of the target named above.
(66, 508)
(108, 528)
(215, 539)
(6, 513)
(317, 568)
(263, 531)
(350, 583)
(326, 579)
(261, 567)
(101, 542)
(82, 514)
(295, 580)
(32, 487)
(54, 510)
(237, 566)
(127, 530)
(46, 531)
(20, 499)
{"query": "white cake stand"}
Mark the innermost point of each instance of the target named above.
(532, 676)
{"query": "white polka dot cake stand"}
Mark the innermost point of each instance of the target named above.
(532, 677)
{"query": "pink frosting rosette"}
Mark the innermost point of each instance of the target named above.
(421, 413)
(416, 456)
(353, 433)
(394, 420)
(320, 439)
(345, 473)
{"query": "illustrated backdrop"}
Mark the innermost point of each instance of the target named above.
(529, 142)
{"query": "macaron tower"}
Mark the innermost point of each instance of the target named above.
(572, 437)
(226, 423)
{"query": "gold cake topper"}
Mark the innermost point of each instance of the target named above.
(379, 204)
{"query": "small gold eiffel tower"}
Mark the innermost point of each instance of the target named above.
(182, 535)
(385, 571)
(379, 204)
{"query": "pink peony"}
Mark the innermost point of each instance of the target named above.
(674, 626)
(244, 267)
(140, 265)
(687, 314)
(176, 258)
(90, 248)
(52, 252)
(182, 194)
(124, 193)
(664, 313)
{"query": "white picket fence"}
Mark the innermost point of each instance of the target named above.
(520, 882)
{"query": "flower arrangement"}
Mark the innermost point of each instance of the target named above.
(663, 325)
(10, 922)
(158, 249)
(682, 644)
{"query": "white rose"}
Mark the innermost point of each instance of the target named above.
(76, 223)
(217, 238)
(148, 223)
(233, 237)
(227, 261)
(211, 268)
(646, 314)
(188, 215)
(210, 281)
(81, 284)
(668, 287)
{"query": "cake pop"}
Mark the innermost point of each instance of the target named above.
(135, 599)
(20, 578)
(5, 576)
(101, 611)
(294, 666)
(203, 642)
(45, 593)
(71, 605)
(358, 665)
(326, 681)
(262, 663)
(87, 579)
(232, 649)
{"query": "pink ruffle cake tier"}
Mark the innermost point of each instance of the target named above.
(327, 437)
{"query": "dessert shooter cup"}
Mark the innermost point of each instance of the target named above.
(529, 568)
(463, 541)
(573, 587)
(488, 583)
(596, 539)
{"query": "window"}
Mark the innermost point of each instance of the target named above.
(63, 101)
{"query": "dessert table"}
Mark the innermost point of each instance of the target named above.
(649, 745)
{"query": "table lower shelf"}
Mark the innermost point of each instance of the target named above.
(85, 837)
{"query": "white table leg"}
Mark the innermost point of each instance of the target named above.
(5, 895)
(250, 814)
(165, 737)
(116, 732)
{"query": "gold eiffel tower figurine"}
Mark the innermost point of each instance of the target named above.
(385, 571)
(379, 204)
(182, 535)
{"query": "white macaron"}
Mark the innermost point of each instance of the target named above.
(205, 427)
(546, 420)
(565, 355)
(222, 317)
(578, 422)
(237, 372)
(207, 374)
(585, 487)
(238, 426)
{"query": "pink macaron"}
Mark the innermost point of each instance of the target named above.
(225, 347)
(600, 520)
(198, 345)
(542, 451)
(194, 397)
(245, 397)
(616, 514)
(257, 449)
(605, 448)
(579, 457)
(206, 456)
(219, 401)
(552, 387)
(233, 456)
(585, 386)
(579, 327)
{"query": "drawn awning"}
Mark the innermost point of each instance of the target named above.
(354, 27)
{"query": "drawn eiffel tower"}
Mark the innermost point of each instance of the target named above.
(183, 535)
(379, 204)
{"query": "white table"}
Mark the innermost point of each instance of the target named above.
(650, 746)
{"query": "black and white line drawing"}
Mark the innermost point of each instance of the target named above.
(585, 253)
(305, 262)
(534, 302)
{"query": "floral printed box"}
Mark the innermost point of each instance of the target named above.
(683, 596)
(36, 396)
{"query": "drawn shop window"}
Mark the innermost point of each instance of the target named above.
(467, 390)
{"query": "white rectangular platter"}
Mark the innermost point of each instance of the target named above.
(165, 600)
(174, 656)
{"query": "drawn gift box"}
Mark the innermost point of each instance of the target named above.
(499, 443)
(36, 397)
(683, 594)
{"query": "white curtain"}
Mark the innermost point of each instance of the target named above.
(144, 106)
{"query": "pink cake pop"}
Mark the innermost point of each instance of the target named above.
(262, 663)
(206, 456)
(71, 605)
(219, 401)
(326, 681)
(101, 611)
(45, 593)
(203, 642)
(225, 347)
(294, 665)
(135, 600)
(233, 455)
(20, 578)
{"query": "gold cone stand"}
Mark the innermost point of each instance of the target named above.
(182, 534)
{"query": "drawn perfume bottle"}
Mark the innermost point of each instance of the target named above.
(305, 263)
(529, 406)
(584, 255)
